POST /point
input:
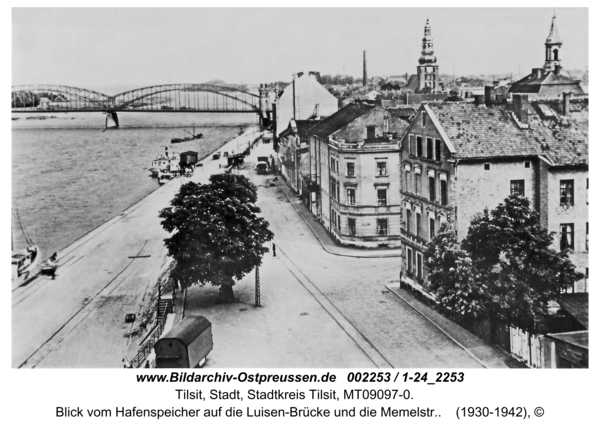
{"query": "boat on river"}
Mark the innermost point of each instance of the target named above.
(23, 263)
(165, 162)
(193, 136)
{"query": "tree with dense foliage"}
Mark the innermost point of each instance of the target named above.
(509, 270)
(218, 237)
(452, 277)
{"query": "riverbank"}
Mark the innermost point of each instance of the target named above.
(78, 320)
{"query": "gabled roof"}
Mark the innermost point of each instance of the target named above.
(483, 132)
(478, 132)
(340, 119)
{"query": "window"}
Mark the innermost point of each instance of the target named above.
(337, 166)
(431, 228)
(408, 220)
(419, 146)
(382, 224)
(411, 144)
(429, 148)
(567, 236)
(444, 192)
(332, 165)
(381, 168)
(587, 236)
(407, 181)
(419, 265)
(423, 119)
(333, 218)
(351, 193)
(486, 166)
(417, 184)
(381, 196)
(418, 221)
(566, 192)
(352, 226)
(350, 169)
(587, 188)
(409, 260)
(517, 187)
(527, 164)
(339, 222)
(438, 149)
(432, 189)
(337, 188)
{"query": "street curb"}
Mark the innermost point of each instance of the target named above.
(323, 245)
(439, 328)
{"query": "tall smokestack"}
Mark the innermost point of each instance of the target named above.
(364, 68)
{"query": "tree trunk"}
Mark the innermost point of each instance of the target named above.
(226, 294)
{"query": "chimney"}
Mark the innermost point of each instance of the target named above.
(489, 94)
(557, 68)
(364, 68)
(386, 123)
(370, 132)
(537, 72)
(566, 103)
(521, 107)
(478, 100)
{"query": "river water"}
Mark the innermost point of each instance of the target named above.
(70, 175)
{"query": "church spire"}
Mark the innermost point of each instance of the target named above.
(553, 46)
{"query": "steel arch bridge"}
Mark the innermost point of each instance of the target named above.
(191, 97)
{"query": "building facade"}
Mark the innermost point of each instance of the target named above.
(460, 158)
(354, 157)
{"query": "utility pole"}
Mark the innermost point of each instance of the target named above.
(256, 287)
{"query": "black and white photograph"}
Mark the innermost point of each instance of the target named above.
(373, 188)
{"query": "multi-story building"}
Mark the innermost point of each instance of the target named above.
(459, 158)
(293, 152)
(354, 164)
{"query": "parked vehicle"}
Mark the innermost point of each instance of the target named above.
(261, 168)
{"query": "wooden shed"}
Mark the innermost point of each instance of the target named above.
(186, 345)
(190, 157)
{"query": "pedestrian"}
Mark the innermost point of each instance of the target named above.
(274, 252)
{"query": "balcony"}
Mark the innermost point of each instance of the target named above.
(366, 209)
(409, 236)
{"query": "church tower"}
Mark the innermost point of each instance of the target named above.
(427, 70)
(553, 45)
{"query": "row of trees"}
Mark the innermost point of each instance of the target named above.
(218, 236)
(505, 268)
(338, 79)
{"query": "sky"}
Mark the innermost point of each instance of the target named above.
(132, 47)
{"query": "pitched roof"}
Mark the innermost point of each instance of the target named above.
(481, 132)
(340, 119)
(534, 84)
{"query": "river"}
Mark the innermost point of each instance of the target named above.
(70, 175)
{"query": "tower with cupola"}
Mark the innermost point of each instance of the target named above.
(427, 70)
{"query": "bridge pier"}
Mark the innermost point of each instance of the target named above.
(113, 116)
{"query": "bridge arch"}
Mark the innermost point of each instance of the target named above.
(58, 98)
(189, 97)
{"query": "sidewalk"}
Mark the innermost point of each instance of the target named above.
(325, 239)
(488, 356)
